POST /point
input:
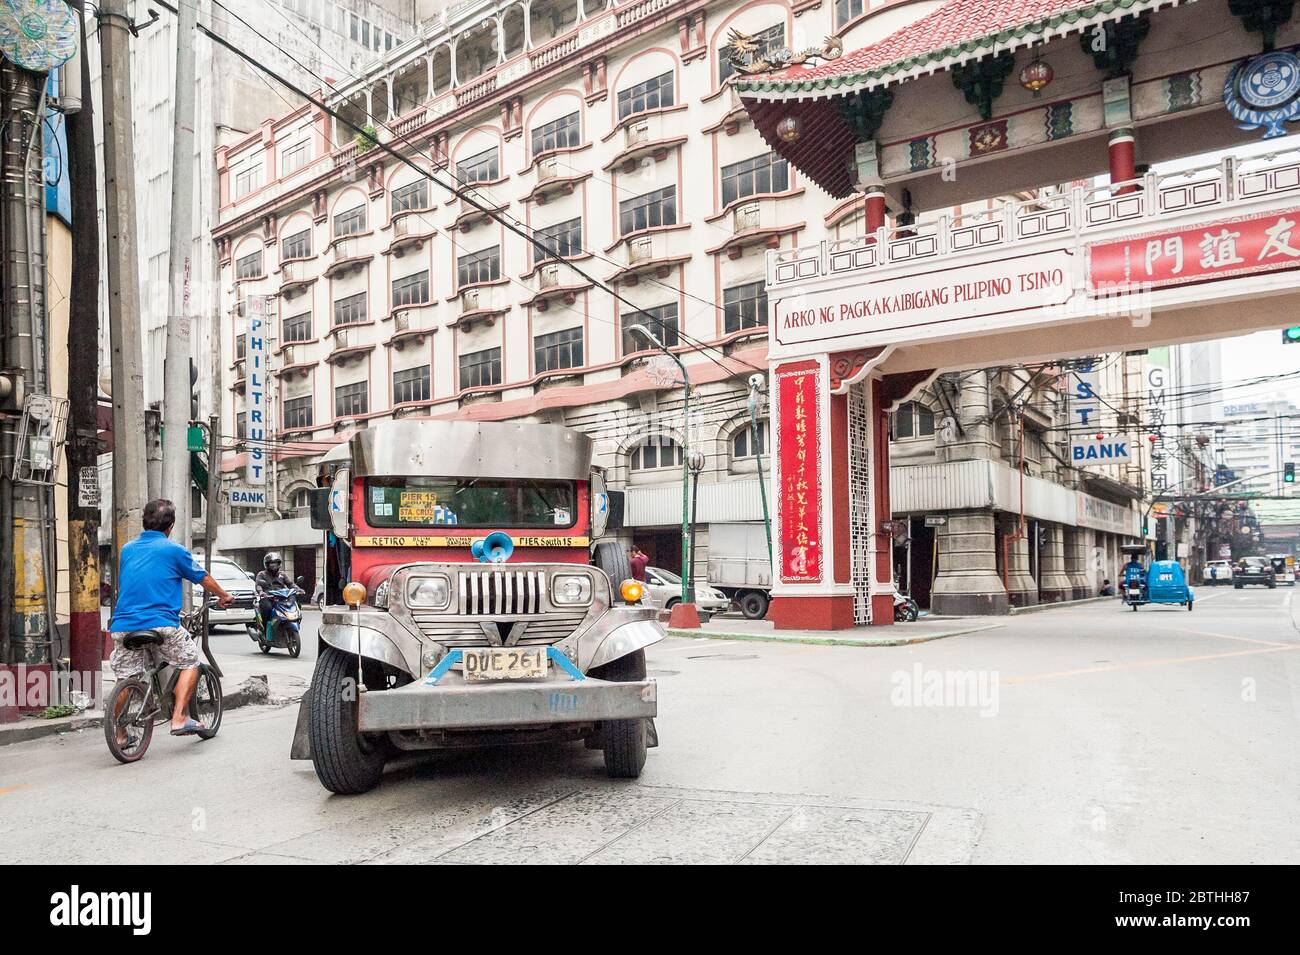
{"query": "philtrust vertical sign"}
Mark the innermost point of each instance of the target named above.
(255, 390)
(798, 428)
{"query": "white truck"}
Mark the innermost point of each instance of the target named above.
(740, 565)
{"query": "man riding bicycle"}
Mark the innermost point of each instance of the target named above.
(152, 576)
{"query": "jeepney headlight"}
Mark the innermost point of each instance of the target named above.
(429, 593)
(571, 590)
(381, 596)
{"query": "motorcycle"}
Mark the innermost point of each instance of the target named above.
(905, 608)
(281, 631)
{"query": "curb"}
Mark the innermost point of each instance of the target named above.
(1060, 603)
(29, 729)
(832, 641)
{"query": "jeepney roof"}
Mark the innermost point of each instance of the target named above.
(489, 449)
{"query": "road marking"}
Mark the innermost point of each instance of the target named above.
(1225, 636)
(1141, 664)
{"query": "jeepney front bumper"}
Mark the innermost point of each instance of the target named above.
(452, 703)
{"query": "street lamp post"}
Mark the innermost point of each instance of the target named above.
(695, 461)
(645, 333)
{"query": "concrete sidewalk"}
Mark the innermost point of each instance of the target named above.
(897, 635)
(246, 679)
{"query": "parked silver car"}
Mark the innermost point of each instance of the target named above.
(665, 589)
(239, 585)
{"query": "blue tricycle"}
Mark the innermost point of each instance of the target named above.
(1163, 583)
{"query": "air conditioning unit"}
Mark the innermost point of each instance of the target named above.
(402, 321)
(548, 168)
(291, 272)
(342, 337)
(469, 299)
(292, 354)
(402, 226)
(240, 368)
(641, 250)
(747, 217)
(345, 249)
(549, 276)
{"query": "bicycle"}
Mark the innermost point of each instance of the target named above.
(137, 703)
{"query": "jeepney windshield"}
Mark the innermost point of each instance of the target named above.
(469, 502)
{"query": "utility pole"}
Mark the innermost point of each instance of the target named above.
(176, 367)
(27, 621)
(85, 646)
(123, 275)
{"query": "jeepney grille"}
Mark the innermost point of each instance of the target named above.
(539, 631)
(495, 592)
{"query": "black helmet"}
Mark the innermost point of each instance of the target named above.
(272, 557)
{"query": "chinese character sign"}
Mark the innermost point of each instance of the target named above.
(1220, 250)
(800, 483)
(255, 390)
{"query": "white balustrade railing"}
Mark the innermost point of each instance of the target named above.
(1076, 212)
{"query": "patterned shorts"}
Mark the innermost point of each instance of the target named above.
(178, 649)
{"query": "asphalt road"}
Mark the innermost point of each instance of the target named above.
(1075, 735)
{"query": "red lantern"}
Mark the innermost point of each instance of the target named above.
(1101, 437)
(1035, 76)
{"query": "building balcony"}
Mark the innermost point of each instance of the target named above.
(347, 256)
(411, 229)
(554, 180)
(758, 221)
(482, 303)
(348, 344)
(650, 136)
(648, 251)
(554, 281)
(294, 279)
(296, 360)
(469, 215)
(411, 327)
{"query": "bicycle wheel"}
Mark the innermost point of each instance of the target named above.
(205, 704)
(125, 708)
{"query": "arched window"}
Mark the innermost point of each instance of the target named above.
(300, 501)
(743, 447)
(912, 420)
(657, 451)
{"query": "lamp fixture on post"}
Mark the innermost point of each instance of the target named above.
(695, 462)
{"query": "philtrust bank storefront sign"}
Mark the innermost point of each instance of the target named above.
(255, 392)
(980, 291)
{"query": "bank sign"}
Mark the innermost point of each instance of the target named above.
(248, 497)
(1020, 284)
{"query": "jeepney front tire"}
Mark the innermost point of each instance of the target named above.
(624, 741)
(345, 762)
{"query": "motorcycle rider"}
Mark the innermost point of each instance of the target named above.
(270, 578)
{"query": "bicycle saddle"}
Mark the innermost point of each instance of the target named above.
(142, 638)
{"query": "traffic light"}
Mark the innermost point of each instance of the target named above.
(1291, 336)
(1288, 472)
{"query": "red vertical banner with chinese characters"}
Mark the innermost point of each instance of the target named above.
(798, 450)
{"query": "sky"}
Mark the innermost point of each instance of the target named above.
(1257, 355)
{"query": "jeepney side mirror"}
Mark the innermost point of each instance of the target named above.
(320, 508)
(300, 581)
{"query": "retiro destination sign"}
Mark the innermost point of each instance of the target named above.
(982, 289)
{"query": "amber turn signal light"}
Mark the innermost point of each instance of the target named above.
(632, 591)
(354, 595)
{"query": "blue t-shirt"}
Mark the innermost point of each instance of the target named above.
(152, 576)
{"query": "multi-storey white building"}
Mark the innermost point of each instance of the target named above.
(610, 133)
(308, 38)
